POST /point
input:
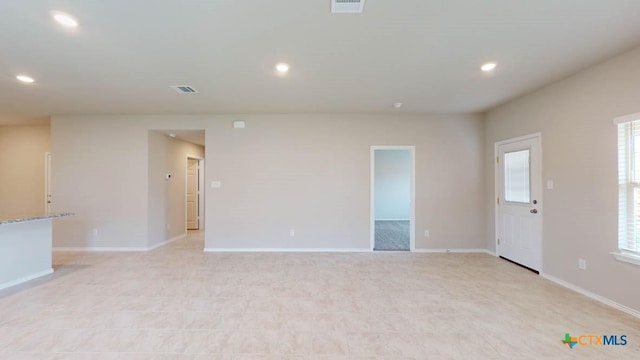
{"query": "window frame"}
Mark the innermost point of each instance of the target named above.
(628, 127)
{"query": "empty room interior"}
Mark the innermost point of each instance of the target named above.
(319, 179)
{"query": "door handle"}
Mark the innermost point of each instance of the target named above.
(534, 211)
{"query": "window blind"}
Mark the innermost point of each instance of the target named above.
(629, 183)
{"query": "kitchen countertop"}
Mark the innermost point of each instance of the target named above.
(10, 218)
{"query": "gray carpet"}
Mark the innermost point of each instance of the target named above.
(392, 235)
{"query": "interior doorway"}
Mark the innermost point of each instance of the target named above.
(392, 198)
(193, 193)
(519, 201)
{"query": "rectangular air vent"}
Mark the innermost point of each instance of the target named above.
(184, 89)
(347, 6)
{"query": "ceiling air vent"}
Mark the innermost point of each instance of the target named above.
(346, 6)
(184, 89)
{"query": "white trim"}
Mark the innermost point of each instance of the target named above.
(340, 250)
(626, 257)
(26, 278)
(593, 296)
(372, 200)
(626, 118)
(455, 251)
(155, 246)
(118, 249)
(99, 249)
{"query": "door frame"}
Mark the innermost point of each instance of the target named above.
(372, 193)
(537, 137)
(201, 189)
(47, 182)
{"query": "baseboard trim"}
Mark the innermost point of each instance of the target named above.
(317, 250)
(99, 249)
(454, 251)
(166, 242)
(117, 249)
(594, 296)
(26, 278)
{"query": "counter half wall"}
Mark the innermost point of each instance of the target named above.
(25, 247)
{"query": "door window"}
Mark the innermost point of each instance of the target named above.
(517, 184)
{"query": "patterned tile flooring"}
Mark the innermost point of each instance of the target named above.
(392, 235)
(178, 303)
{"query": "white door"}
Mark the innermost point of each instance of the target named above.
(519, 202)
(192, 194)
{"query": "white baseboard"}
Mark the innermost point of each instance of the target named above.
(99, 249)
(209, 249)
(26, 278)
(117, 249)
(167, 241)
(454, 251)
(589, 294)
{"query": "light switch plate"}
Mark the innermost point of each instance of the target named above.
(215, 184)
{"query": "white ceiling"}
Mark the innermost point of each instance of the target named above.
(423, 53)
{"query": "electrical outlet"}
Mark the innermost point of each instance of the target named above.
(426, 233)
(582, 264)
(95, 233)
(292, 232)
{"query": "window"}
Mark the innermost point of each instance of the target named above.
(516, 177)
(629, 188)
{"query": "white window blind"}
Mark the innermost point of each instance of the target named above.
(629, 184)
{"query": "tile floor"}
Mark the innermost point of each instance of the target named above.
(178, 303)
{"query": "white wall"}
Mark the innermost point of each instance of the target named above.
(167, 204)
(304, 172)
(579, 146)
(393, 185)
(22, 162)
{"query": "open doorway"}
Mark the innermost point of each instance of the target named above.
(392, 198)
(170, 185)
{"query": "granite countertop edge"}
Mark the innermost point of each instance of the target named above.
(18, 218)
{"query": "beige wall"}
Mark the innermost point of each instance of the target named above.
(167, 204)
(304, 172)
(100, 171)
(22, 165)
(311, 173)
(579, 145)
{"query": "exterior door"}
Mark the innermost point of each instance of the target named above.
(519, 202)
(192, 194)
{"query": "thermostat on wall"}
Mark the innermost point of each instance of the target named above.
(167, 176)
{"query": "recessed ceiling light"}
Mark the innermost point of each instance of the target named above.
(64, 19)
(397, 105)
(172, 135)
(25, 79)
(488, 66)
(282, 68)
